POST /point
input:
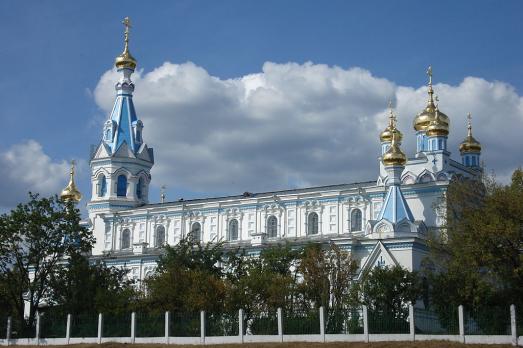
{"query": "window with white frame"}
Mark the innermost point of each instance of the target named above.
(272, 226)
(356, 220)
(312, 223)
(233, 229)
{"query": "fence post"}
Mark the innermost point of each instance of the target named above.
(37, 335)
(240, 324)
(133, 327)
(167, 326)
(461, 324)
(280, 324)
(322, 323)
(202, 327)
(365, 323)
(68, 329)
(513, 327)
(411, 322)
(8, 333)
(100, 327)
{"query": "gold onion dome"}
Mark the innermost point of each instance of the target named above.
(424, 118)
(125, 60)
(436, 126)
(386, 135)
(71, 192)
(394, 156)
(470, 144)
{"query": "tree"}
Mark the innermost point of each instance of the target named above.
(34, 238)
(328, 274)
(188, 278)
(478, 261)
(390, 290)
(79, 287)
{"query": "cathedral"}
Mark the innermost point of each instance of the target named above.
(381, 222)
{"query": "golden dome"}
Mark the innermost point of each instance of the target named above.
(386, 135)
(470, 144)
(394, 156)
(71, 193)
(425, 117)
(436, 126)
(125, 60)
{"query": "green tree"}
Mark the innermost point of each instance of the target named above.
(477, 260)
(79, 287)
(34, 238)
(390, 290)
(188, 278)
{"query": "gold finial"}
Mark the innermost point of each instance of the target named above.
(436, 126)
(469, 124)
(386, 135)
(71, 192)
(394, 156)
(126, 60)
(470, 144)
(424, 118)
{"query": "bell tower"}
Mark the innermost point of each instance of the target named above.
(121, 162)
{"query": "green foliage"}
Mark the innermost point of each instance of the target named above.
(78, 287)
(390, 290)
(34, 238)
(478, 262)
(188, 278)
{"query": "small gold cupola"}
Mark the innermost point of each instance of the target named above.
(469, 144)
(125, 60)
(394, 156)
(71, 192)
(386, 135)
(425, 117)
(436, 127)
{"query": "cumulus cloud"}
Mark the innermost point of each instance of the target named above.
(294, 125)
(26, 167)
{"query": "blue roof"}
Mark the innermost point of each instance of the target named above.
(124, 117)
(395, 207)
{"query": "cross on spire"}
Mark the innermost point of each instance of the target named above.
(429, 73)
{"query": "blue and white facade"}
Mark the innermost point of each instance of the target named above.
(383, 221)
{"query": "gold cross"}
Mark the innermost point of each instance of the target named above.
(127, 23)
(429, 73)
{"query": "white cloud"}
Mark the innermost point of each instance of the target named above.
(26, 167)
(295, 125)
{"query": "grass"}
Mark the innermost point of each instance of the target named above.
(420, 344)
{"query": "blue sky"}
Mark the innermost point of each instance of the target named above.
(54, 54)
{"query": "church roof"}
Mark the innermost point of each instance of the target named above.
(395, 207)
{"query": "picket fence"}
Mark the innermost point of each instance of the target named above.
(315, 333)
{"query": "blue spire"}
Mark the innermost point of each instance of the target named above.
(124, 126)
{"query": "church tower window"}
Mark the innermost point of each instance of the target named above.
(139, 189)
(102, 186)
(121, 186)
(233, 229)
(160, 236)
(312, 224)
(356, 220)
(126, 239)
(272, 227)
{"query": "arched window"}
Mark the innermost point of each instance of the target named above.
(139, 188)
(233, 229)
(272, 227)
(108, 134)
(312, 223)
(160, 236)
(102, 186)
(355, 220)
(126, 239)
(196, 231)
(121, 186)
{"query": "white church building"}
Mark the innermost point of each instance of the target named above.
(383, 221)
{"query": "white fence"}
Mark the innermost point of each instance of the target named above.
(322, 336)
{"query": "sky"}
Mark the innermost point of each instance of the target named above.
(252, 95)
